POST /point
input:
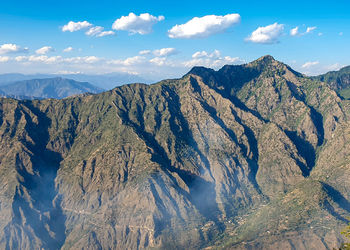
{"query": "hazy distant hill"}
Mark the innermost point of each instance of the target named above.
(47, 88)
(105, 81)
(253, 156)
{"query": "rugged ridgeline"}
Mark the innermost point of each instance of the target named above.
(250, 156)
(338, 81)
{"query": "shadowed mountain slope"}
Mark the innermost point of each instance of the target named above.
(250, 156)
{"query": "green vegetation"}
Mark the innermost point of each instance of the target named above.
(338, 81)
(346, 233)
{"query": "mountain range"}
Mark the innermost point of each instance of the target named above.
(103, 81)
(47, 88)
(252, 156)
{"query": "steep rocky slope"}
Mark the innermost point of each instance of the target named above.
(250, 156)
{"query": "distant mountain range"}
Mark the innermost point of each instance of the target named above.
(106, 81)
(47, 88)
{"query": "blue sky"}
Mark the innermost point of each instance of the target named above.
(320, 44)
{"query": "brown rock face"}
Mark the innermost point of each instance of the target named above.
(250, 156)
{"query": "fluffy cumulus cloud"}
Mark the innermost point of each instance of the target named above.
(267, 35)
(44, 50)
(165, 52)
(200, 27)
(141, 24)
(75, 26)
(91, 30)
(308, 65)
(9, 48)
(211, 60)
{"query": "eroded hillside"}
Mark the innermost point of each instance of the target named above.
(250, 156)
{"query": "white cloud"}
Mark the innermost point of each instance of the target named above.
(75, 26)
(43, 59)
(145, 52)
(4, 59)
(160, 61)
(85, 59)
(165, 52)
(106, 33)
(309, 64)
(141, 24)
(44, 50)
(93, 31)
(320, 34)
(98, 32)
(11, 48)
(68, 49)
(57, 59)
(294, 31)
(211, 60)
(317, 68)
(148, 65)
(200, 54)
(310, 29)
(200, 27)
(91, 59)
(20, 58)
(129, 61)
(334, 67)
(267, 35)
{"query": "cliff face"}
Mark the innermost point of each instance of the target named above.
(248, 156)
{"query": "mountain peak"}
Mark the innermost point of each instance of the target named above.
(265, 60)
(199, 70)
